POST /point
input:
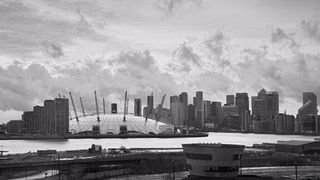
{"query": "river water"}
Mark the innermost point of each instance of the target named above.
(23, 146)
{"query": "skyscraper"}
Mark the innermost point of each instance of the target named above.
(183, 97)
(216, 112)
(307, 113)
(150, 104)
(175, 110)
(207, 112)
(137, 107)
(230, 100)
(265, 106)
(310, 96)
(199, 118)
(191, 115)
(242, 101)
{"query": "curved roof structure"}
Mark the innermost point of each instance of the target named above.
(112, 122)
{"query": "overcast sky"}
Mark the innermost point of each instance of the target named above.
(162, 46)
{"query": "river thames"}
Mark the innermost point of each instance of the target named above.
(23, 146)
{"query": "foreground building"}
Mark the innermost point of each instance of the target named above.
(213, 160)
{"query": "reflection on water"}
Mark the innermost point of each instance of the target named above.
(23, 146)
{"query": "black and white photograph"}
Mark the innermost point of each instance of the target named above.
(159, 89)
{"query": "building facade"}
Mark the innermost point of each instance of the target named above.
(242, 102)
(213, 160)
(137, 107)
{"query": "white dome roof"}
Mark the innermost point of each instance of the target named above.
(112, 122)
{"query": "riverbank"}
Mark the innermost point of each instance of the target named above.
(104, 136)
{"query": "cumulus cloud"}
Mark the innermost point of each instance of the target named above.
(22, 87)
(52, 49)
(311, 29)
(279, 36)
(170, 7)
(219, 48)
(183, 58)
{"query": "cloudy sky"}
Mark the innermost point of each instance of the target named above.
(162, 46)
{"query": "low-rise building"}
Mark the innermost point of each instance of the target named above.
(213, 160)
(299, 147)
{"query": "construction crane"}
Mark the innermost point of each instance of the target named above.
(160, 106)
(104, 106)
(97, 107)
(74, 107)
(84, 114)
(125, 108)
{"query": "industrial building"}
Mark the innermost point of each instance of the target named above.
(213, 160)
(299, 147)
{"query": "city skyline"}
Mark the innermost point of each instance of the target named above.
(167, 47)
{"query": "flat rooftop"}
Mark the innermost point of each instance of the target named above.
(217, 145)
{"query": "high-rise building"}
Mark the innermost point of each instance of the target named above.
(150, 104)
(230, 99)
(284, 123)
(61, 116)
(216, 112)
(310, 96)
(183, 97)
(39, 119)
(199, 116)
(307, 113)
(230, 117)
(242, 101)
(191, 115)
(49, 117)
(207, 112)
(265, 105)
(137, 107)
(28, 119)
(175, 110)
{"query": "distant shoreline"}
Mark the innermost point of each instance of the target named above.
(102, 136)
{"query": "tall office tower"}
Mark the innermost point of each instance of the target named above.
(137, 107)
(242, 101)
(199, 118)
(183, 97)
(230, 100)
(175, 110)
(305, 113)
(216, 112)
(191, 115)
(150, 104)
(230, 117)
(49, 116)
(207, 112)
(61, 116)
(28, 119)
(265, 106)
(310, 96)
(39, 118)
